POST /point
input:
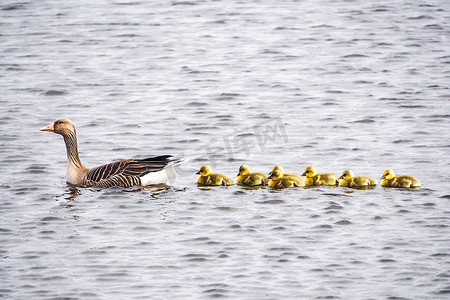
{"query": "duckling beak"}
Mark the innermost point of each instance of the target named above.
(48, 128)
(304, 174)
(198, 173)
(383, 177)
(270, 176)
(238, 174)
(341, 177)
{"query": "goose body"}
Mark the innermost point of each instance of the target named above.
(403, 181)
(279, 180)
(123, 173)
(246, 178)
(207, 178)
(348, 179)
(314, 178)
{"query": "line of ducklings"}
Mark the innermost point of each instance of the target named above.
(277, 179)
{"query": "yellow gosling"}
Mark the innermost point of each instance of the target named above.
(246, 178)
(207, 178)
(404, 181)
(285, 174)
(280, 181)
(348, 179)
(314, 178)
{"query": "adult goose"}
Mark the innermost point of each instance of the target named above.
(123, 173)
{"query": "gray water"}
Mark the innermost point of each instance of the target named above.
(360, 85)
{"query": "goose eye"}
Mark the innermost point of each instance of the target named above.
(58, 122)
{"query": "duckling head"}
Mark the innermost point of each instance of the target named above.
(276, 174)
(310, 171)
(244, 170)
(277, 168)
(388, 174)
(204, 170)
(347, 174)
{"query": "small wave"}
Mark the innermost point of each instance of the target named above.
(13, 7)
(411, 106)
(55, 93)
(197, 104)
(323, 226)
(187, 3)
(343, 222)
(364, 121)
(354, 56)
(421, 17)
(405, 141)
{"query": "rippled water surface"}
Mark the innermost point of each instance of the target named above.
(360, 85)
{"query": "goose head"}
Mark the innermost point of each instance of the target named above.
(310, 171)
(204, 170)
(347, 174)
(388, 174)
(61, 126)
(276, 174)
(244, 170)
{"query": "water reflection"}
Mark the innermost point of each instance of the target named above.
(72, 192)
(69, 194)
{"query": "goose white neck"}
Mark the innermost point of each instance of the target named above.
(74, 165)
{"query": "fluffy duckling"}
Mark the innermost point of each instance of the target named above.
(404, 181)
(246, 178)
(285, 174)
(278, 180)
(314, 178)
(207, 178)
(348, 179)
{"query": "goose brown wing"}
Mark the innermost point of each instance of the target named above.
(129, 167)
(141, 167)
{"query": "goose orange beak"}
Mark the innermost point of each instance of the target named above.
(48, 128)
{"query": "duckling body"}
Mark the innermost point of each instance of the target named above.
(246, 178)
(207, 178)
(279, 180)
(403, 181)
(348, 179)
(314, 178)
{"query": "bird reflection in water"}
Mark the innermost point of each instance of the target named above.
(72, 192)
(69, 194)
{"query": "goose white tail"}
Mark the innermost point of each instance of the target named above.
(163, 175)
